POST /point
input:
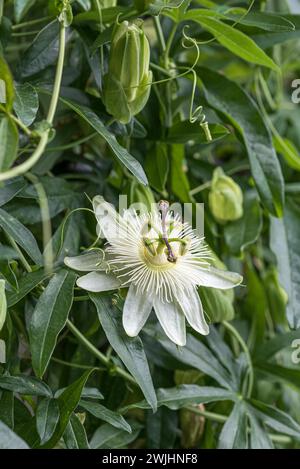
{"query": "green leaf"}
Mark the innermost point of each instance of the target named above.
(276, 419)
(268, 349)
(255, 305)
(288, 151)
(7, 408)
(284, 242)
(186, 394)
(179, 180)
(234, 431)
(121, 153)
(229, 99)
(75, 435)
(6, 85)
(130, 350)
(266, 21)
(25, 285)
(185, 132)
(9, 439)
(268, 39)
(162, 429)
(109, 437)
(157, 167)
(49, 318)
(21, 235)
(196, 355)
(259, 438)
(290, 376)
(26, 102)
(10, 189)
(47, 417)
(67, 402)
(3, 303)
(27, 385)
(242, 233)
(42, 52)
(101, 412)
(109, 15)
(21, 8)
(9, 142)
(234, 40)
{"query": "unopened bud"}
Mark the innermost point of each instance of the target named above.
(225, 197)
(128, 81)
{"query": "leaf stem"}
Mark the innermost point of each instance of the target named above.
(99, 355)
(21, 255)
(244, 347)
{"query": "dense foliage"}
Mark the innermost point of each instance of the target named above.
(210, 116)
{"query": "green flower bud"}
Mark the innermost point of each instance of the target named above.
(126, 86)
(225, 197)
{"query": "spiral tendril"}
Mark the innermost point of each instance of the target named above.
(197, 114)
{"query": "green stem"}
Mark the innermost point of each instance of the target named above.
(170, 40)
(244, 347)
(21, 255)
(75, 365)
(81, 298)
(30, 23)
(100, 356)
(25, 34)
(200, 188)
(284, 439)
(159, 32)
(209, 415)
(20, 124)
(27, 165)
(67, 146)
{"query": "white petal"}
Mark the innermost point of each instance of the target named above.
(109, 221)
(191, 306)
(87, 262)
(98, 281)
(136, 311)
(172, 320)
(215, 278)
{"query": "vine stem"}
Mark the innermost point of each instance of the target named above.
(244, 347)
(27, 165)
(99, 355)
(159, 32)
(30, 23)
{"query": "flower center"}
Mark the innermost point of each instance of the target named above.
(157, 255)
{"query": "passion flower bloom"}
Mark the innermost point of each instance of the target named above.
(161, 260)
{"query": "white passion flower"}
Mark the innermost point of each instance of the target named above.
(161, 260)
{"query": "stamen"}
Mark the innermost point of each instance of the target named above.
(163, 206)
